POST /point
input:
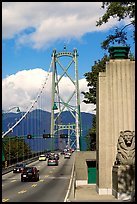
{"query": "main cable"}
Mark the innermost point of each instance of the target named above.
(35, 101)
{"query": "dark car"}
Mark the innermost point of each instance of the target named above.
(62, 152)
(30, 174)
(19, 167)
(47, 154)
(52, 161)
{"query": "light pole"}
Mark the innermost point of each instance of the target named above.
(9, 147)
(18, 110)
(6, 112)
(3, 114)
(17, 138)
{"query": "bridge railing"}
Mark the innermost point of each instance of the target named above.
(10, 168)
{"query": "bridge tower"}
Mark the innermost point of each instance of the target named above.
(65, 73)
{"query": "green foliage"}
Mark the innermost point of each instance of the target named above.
(91, 136)
(119, 10)
(15, 147)
(131, 57)
(91, 77)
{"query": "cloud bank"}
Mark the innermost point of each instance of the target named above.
(40, 24)
(22, 89)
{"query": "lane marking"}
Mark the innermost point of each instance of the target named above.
(70, 185)
(59, 177)
(5, 199)
(13, 181)
(41, 180)
(23, 191)
(33, 185)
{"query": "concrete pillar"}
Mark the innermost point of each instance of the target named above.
(115, 113)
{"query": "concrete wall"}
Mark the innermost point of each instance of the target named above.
(81, 169)
(115, 113)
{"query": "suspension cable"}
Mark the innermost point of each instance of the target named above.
(35, 101)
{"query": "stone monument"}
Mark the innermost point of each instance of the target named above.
(115, 121)
(123, 172)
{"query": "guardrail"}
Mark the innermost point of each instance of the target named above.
(10, 168)
(27, 161)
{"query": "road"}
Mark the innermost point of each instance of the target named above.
(52, 186)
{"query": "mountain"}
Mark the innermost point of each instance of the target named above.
(38, 122)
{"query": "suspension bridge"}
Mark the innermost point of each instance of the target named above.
(30, 138)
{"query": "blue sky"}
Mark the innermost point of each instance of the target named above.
(16, 59)
(30, 34)
(89, 49)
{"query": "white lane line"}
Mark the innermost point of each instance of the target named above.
(70, 183)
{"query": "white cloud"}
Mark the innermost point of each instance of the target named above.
(22, 89)
(39, 24)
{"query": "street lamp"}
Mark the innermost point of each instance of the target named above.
(65, 104)
(3, 114)
(6, 112)
(18, 110)
(72, 108)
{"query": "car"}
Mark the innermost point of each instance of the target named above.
(67, 155)
(52, 161)
(62, 152)
(47, 154)
(30, 173)
(57, 156)
(52, 154)
(42, 157)
(72, 150)
(19, 167)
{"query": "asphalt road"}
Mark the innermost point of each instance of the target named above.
(52, 186)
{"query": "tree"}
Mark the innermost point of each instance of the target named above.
(91, 77)
(119, 10)
(15, 147)
(91, 136)
(90, 97)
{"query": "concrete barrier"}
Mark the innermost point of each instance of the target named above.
(10, 168)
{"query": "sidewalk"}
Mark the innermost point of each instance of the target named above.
(87, 193)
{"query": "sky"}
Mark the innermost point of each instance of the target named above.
(30, 33)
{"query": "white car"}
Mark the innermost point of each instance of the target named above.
(69, 153)
(66, 155)
(42, 157)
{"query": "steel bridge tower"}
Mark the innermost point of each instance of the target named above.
(63, 62)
